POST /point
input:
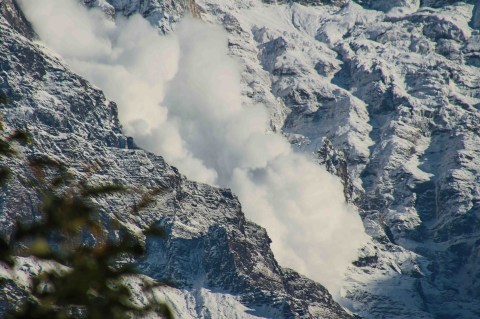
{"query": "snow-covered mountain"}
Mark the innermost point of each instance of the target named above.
(218, 263)
(386, 93)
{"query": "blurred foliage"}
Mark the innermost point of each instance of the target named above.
(87, 279)
(3, 98)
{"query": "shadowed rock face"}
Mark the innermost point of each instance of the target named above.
(386, 6)
(442, 3)
(219, 264)
(395, 87)
(10, 10)
(476, 17)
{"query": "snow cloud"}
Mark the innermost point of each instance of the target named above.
(179, 96)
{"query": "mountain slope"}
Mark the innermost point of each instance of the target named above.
(398, 94)
(219, 263)
(395, 87)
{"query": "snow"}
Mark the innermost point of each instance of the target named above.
(396, 90)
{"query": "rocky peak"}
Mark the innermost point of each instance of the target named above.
(10, 10)
(336, 163)
(162, 14)
(217, 263)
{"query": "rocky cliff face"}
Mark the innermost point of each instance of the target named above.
(218, 264)
(11, 12)
(393, 86)
(396, 89)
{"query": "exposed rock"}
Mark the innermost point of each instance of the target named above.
(395, 89)
(386, 6)
(10, 10)
(335, 163)
(219, 264)
(476, 17)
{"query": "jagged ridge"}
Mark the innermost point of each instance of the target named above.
(214, 258)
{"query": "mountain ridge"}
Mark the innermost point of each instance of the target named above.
(220, 263)
(394, 86)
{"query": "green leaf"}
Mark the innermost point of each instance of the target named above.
(40, 248)
(156, 231)
(5, 174)
(3, 98)
(20, 137)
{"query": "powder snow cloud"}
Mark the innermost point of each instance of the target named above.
(179, 96)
